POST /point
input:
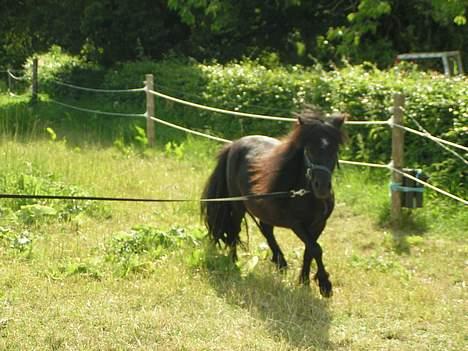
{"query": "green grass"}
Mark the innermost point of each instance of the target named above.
(121, 276)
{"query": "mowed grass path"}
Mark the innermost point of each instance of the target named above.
(60, 292)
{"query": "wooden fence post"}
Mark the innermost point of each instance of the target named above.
(10, 88)
(34, 81)
(149, 83)
(398, 139)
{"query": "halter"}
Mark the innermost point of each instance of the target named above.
(313, 167)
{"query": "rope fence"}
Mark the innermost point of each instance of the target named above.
(355, 163)
(165, 89)
(441, 144)
(366, 164)
(429, 136)
(423, 133)
(58, 82)
(417, 180)
(409, 176)
(175, 126)
(24, 78)
(219, 110)
(246, 114)
(98, 112)
(149, 115)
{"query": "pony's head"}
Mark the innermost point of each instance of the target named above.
(319, 139)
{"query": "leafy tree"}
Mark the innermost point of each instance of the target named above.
(377, 29)
(291, 31)
(228, 28)
(107, 30)
(446, 11)
(127, 30)
(30, 26)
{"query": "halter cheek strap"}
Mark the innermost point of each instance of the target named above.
(314, 167)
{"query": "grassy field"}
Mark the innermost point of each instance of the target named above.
(129, 276)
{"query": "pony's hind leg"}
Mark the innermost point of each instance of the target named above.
(278, 257)
(233, 237)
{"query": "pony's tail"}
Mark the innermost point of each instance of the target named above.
(217, 215)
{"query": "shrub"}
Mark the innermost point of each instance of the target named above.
(440, 104)
(57, 65)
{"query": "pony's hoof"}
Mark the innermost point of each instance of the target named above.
(325, 286)
(326, 289)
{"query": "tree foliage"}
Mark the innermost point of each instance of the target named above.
(293, 31)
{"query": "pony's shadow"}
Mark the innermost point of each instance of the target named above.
(289, 312)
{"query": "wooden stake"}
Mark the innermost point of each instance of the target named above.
(398, 140)
(34, 81)
(460, 65)
(149, 82)
(10, 88)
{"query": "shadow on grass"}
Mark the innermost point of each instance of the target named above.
(292, 313)
(26, 122)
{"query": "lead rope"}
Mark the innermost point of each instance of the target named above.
(279, 194)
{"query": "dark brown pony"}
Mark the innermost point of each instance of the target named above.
(304, 159)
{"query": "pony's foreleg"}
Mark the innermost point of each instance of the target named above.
(321, 277)
(313, 250)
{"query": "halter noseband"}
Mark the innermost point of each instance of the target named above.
(313, 167)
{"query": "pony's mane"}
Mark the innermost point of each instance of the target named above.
(276, 170)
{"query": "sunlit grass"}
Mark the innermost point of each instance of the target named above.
(62, 286)
(60, 291)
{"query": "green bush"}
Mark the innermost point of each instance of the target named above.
(440, 104)
(56, 65)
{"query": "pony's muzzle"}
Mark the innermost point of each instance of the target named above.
(321, 186)
(321, 192)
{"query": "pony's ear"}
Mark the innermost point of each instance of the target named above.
(337, 120)
(300, 120)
